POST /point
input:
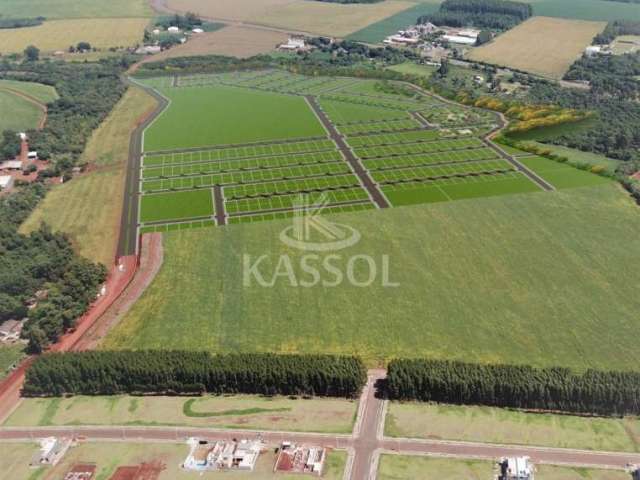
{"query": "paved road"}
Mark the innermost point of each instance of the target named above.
(374, 192)
(365, 444)
(128, 241)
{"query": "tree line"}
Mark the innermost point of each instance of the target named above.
(615, 29)
(188, 372)
(516, 386)
(21, 22)
(41, 270)
(492, 14)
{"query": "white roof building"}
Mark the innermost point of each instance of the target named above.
(6, 181)
(173, 30)
(592, 50)
(11, 165)
(32, 155)
(516, 468)
(459, 39)
(197, 30)
(294, 43)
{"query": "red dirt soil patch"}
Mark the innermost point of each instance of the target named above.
(144, 471)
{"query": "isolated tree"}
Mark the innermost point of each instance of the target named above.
(444, 68)
(32, 53)
(83, 46)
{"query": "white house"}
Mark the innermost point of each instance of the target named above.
(197, 30)
(6, 181)
(32, 155)
(516, 468)
(173, 30)
(294, 43)
(459, 39)
(11, 165)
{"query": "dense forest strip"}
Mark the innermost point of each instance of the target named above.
(517, 386)
(182, 372)
(493, 14)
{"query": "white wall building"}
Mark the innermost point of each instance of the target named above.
(6, 181)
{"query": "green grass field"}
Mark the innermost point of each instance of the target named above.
(42, 93)
(579, 157)
(74, 8)
(561, 175)
(14, 462)
(376, 32)
(414, 69)
(597, 10)
(397, 467)
(9, 356)
(549, 274)
(237, 411)
(503, 426)
(24, 114)
(176, 206)
(219, 115)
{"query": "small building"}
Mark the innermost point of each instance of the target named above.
(294, 43)
(223, 455)
(516, 468)
(300, 459)
(592, 50)
(401, 40)
(149, 50)
(32, 155)
(197, 30)
(6, 181)
(51, 450)
(156, 31)
(11, 165)
(478, 79)
(22, 135)
(460, 40)
(173, 30)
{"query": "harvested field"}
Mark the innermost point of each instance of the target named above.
(59, 34)
(541, 45)
(298, 15)
(235, 41)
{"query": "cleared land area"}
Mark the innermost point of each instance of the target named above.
(237, 411)
(176, 206)
(297, 15)
(541, 45)
(466, 291)
(88, 208)
(42, 93)
(57, 35)
(75, 9)
(397, 467)
(580, 157)
(218, 115)
(233, 40)
(503, 426)
(9, 356)
(14, 462)
(24, 114)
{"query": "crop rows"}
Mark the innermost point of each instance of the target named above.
(413, 148)
(383, 126)
(238, 152)
(430, 158)
(256, 163)
(303, 185)
(288, 201)
(244, 177)
(394, 138)
(432, 172)
(346, 208)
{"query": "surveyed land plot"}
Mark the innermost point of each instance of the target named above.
(252, 139)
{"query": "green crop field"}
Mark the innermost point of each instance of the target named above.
(42, 93)
(24, 114)
(74, 8)
(219, 115)
(176, 206)
(503, 426)
(451, 303)
(561, 175)
(595, 10)
(376, 32)
(10, 355)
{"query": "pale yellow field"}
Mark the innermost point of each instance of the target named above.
(14, 462)
(60, 34)
(295, 15)
(233, 40)
(325, 415)
(541, 45)
(626, 44)
(88, 208)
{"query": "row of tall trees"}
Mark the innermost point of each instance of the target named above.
(557, 389)
(492, 14)
(615, 29)
(187, 372)
(20, 22)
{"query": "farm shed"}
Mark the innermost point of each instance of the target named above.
(6, 181)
